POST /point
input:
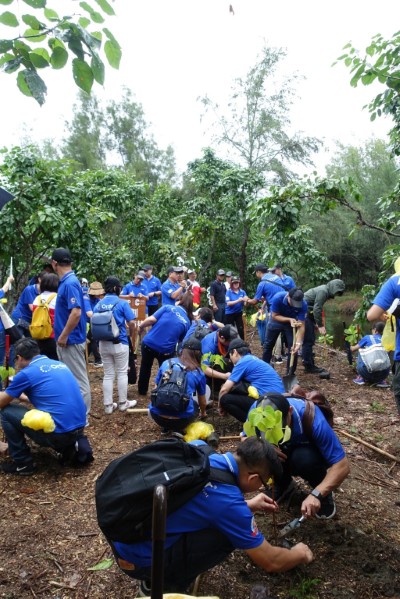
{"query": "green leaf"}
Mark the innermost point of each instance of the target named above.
(97, 66)
(8, 18)
(33, 22)
(33, 36)
(12, 65)
(6, 1)
(6, 58)
(91, 42)
(36, 3)
(84, 22)
(51, 14)
(31, 84)
(5, 45)
(59, 57)
(105, 7)
(40, 58)
(113, 54)
(83, 75)
(111, 37)
(103, 565)
(94, 15)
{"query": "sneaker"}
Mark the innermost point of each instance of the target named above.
(98, 364)
(127, 405)
(328, 508)
(19, 468)
(383, 384)
(359, 380)
(110, 408)
(278, 360)
(144, 588)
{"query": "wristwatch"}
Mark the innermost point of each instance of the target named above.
(317, 494)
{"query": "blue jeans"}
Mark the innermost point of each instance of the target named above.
(370, 377)
(15, 432)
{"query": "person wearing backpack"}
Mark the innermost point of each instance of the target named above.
(214, 522)
(374, 373)
(170, 408)
(44, 305)
(203, 324)
(168, 326)
(115, 353)
(313, 452)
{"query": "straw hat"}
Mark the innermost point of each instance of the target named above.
(96, 288)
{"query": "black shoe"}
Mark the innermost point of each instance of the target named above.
(328, 508)
(19, 468)
(314, 370)
(144, 589)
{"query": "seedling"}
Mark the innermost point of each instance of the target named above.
(326, 338)
(305, 589)
(377, 407)
(268, 421)
(351, 334)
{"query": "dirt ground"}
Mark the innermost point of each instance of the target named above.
(50, 537)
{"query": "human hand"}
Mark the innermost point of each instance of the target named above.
(262, 502)
(310, 506)
(322, 330)
(62, 340)
(281, 455)
(304, 552)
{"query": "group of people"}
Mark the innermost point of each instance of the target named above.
(208, 346)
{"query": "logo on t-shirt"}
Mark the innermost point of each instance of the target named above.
(254, 529)
(73, 300)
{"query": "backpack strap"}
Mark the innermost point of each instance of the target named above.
(308, 418)
(49, 299)
(222, 476)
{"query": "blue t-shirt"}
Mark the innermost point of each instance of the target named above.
(51, 387)
(258, 373)
(90, 302)
(218, 506)
(153, 284)
(132, 288)
(323, 435)
(167, 289)
(70, 296)
(281, 306)
(122, 313)
(366, 341)
(266, 289)
(196, 383)
(232, 296)
(171, 326)
(22, 309)
(390, 291)
(287, 281)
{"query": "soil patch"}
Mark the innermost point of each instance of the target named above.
(50, 535)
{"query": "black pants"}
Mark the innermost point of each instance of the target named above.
(237, 321)
(148, 357)
(194, 553)
(173, 424)
(307, 462)
(308, 342)
(271, 337)
(152, 309)
(396, 384)
(236, 405)
(93, 347)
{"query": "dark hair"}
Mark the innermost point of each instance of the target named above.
(242, 351)
(27, 348)
(379, 326)
(257, 453)
(112, 285)
(228, 332)
(206, 314)
(186, 301)
(49, 282)
(191, 358)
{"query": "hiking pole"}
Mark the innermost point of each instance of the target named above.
(158, 534)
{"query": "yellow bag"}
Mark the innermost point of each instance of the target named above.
(38, 420)
(198, 430)
(389, 335)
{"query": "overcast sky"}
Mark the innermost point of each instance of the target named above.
(177, 50)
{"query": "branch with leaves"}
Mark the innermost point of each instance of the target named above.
(65, 36)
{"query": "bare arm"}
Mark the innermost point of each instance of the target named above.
(131, 327)
(226, 387)
(72, 322)
(147, 322)
(202, 404)
(5, 399)
(278, 559)
(375, 313)
(333, 479)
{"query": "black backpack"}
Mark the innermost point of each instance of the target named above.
(171, 392)
(200, 332)
(124, 492)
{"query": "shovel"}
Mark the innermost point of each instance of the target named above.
(290, 379)
(291, 527)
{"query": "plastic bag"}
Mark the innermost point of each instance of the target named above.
(38, 420)
(389, 335)
(198, 430)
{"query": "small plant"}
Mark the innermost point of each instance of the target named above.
(377, 407)
(327, 338)
(268, 421)
(354, 429)
(305, 588)
(351, 334)
(378, 437)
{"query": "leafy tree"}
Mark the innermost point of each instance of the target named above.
(255, 125)
(128, 138)
(381, 62)
(84, 143)
(65, 36)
